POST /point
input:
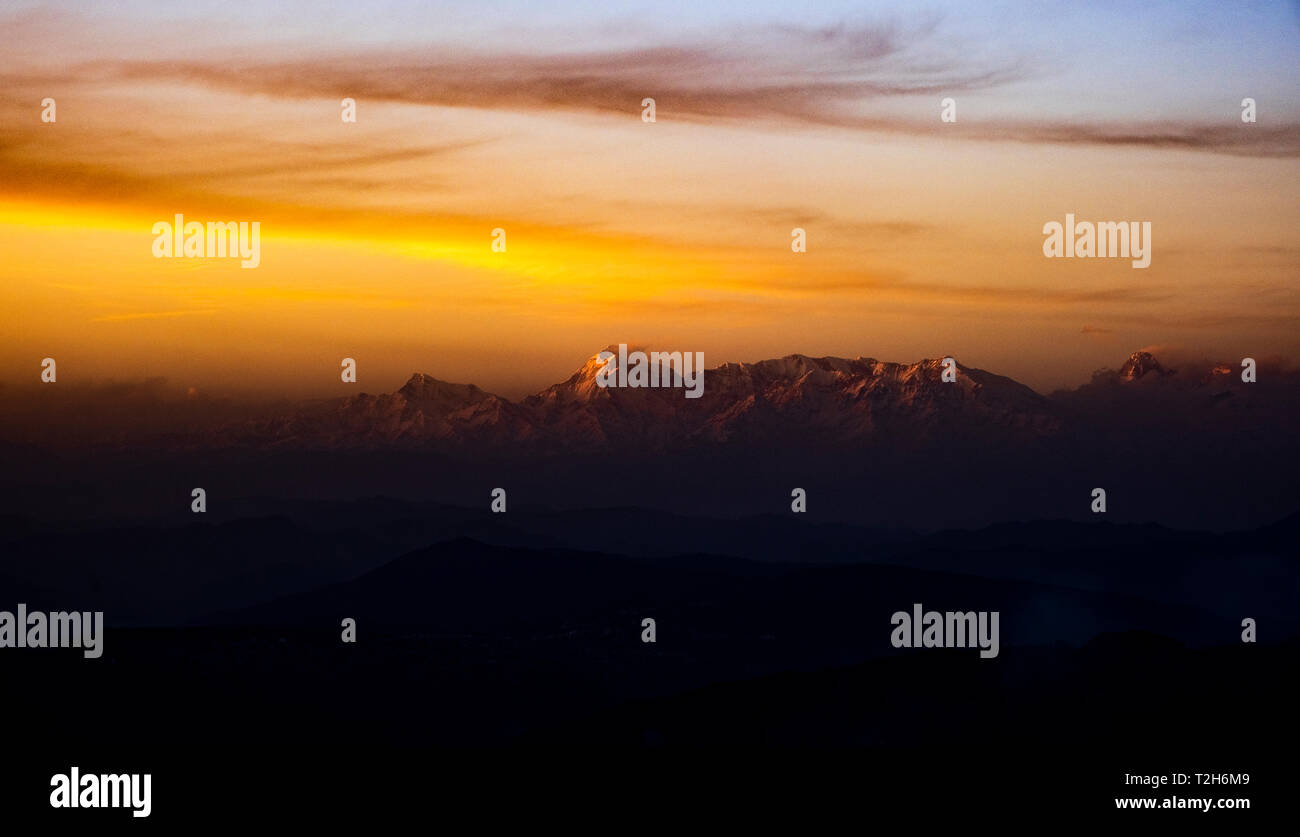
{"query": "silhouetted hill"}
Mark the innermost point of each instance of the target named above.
(799, 616)
(172, 572)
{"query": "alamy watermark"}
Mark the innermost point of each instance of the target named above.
(215, 240)
(107, 790)
(652, 369)
(1100, 240)
(951, 629)
(53, 630)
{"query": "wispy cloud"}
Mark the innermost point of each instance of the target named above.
(790, 72)
(834, 77)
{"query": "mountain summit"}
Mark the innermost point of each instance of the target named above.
(1141, 364)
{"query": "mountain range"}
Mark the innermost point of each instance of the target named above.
(795, 400)
(873, 442)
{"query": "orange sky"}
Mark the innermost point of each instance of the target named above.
(923, 238)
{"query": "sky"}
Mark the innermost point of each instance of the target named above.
(924, 238)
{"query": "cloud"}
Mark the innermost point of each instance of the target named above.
(786, 73)
(789, 75)
(1245, 141)
(896, 285)
(775, 71)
